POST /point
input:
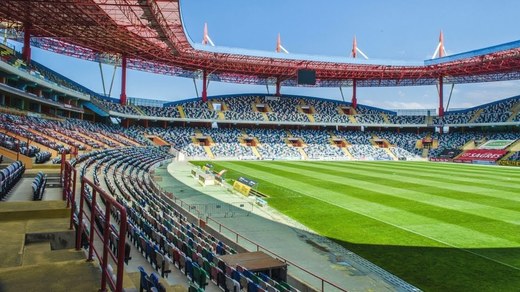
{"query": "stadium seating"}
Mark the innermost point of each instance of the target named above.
(163, 236)
(497, 112)
(155, 111)
(9, 176)
(38, 186)
(42, 157)
(116, 107)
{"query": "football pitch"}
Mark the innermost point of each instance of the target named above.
(441, 227)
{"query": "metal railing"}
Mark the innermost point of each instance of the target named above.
(259, 247)
(104, 234)
(190, 208)
(69, 176)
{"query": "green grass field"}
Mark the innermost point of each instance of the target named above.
(441, 227)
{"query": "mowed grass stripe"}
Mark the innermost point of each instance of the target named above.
(401, 198)
(492, 174)
(393, 211)
(443, 169)
(486, 194)
(433, 192)
(426, 266)
(446, 176)
(475, 171)
(308, 187)
(290, 204)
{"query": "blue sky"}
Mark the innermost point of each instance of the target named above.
(385, 29)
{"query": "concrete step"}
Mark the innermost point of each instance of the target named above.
(33, 210)
(41, 253)
(12, 234)
(73, 275)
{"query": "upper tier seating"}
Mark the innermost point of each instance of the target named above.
(497, 112)
(286, 109)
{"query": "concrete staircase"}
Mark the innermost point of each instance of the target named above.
(303, 154)
(138, 109)
(475, 116)
(390, 153)
(181, 111)
(514, 111)
(37, 250)
(470, 145)
(385, 118)
(209, 152)
(425, 152)
(514, 147)
(345, 150)
(429, 120)
(255, 152)
(309, 116)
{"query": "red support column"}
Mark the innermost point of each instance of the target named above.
(354, 94)
(122, 98)
(441, 97)
(204, 86)
(278, 87)
(146, 123)
(26, 51)
(165, 124)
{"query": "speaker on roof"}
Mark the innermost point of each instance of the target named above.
(306, 77)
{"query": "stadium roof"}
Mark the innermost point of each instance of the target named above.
(151, 34)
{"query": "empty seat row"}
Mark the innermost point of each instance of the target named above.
(42, 156)
(9, 176)
(163, 235)
(38, 186)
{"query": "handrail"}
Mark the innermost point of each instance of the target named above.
(182, 204)
(258, 247)
(69, 179)
(104, 235)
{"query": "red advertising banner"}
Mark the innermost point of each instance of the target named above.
(481, 155)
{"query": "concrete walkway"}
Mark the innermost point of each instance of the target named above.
(279, 234)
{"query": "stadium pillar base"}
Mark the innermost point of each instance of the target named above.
(26, 51)
(278, 87)
(126, 123)
(204, 86)
(354, 95)
(165, 124)
(145, 123)
(122, 98)
(441, 97)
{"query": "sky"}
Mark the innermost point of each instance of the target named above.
(406, 30)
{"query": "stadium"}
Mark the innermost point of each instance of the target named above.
(247, 191)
